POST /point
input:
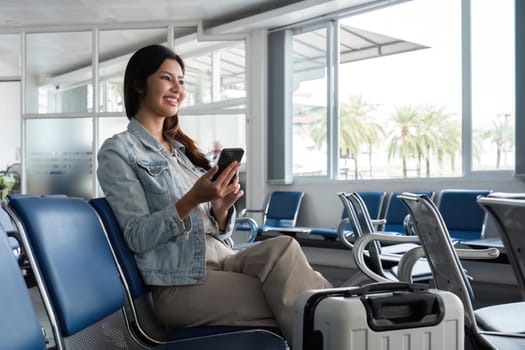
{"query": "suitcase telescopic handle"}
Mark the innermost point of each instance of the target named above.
(386, 287)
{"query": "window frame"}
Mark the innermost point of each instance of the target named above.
(332, 24)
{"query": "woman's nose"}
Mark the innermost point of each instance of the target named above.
(175, 86)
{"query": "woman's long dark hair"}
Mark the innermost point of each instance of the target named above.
(141, 65)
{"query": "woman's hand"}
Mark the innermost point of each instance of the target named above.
(231, 194)
(222, 193)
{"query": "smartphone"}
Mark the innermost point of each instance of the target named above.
(227, 156)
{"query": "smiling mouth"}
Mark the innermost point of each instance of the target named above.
(172, 100)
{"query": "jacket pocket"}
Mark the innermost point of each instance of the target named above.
(153, 176)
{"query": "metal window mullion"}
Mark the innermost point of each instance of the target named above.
(215, 76)
(332, 137)
(96, 107)
(466, 74)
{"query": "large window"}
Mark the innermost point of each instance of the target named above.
(399, 103)
(310, 103)
(493, 97)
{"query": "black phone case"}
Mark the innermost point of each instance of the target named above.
(227, 156)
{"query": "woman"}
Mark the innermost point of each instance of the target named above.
(175, 218)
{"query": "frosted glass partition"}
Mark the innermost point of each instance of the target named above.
(59, 156)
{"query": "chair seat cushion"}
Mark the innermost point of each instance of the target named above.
(502, 318)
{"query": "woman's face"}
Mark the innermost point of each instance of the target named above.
(165, 90)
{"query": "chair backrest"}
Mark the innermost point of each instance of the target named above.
(462, 215)
(19, 328)
(141, 311)
(361, 223)
(282, 209)
(507, 211)
(71, 259)
(374, 201)
(447, 271)
(395, 211)
(124, 255)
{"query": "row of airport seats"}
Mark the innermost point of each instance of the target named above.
(463, 216)
(499, 326)
(90, 286)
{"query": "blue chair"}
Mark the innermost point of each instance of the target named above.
(280, 213)
(81, 284)
(461, 212)
(396, 212)
(374, 201)
(142, 312)
(19, 327)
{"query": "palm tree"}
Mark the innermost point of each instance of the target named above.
(355, 129)
(404, 141)
(439, 134)
(502, 134)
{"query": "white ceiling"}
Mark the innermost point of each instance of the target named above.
(53, 54)
(38, 13)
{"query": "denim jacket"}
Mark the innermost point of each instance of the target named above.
(138, 184)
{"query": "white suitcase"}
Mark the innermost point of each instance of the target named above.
(379, 316)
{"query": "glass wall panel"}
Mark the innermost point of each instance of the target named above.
(9, 55)
(10, 117)
(59, 72)
(309, 115)
(109, 126)
(59, 157)
(210, 131)
(232, 69)
(198, 79)
(115, 49)
(400, 91)
(493, 84)
(215, 71)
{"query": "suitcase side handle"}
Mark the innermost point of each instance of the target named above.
(403, 310)
(313, 340)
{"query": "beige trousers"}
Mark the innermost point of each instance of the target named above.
(256, 286)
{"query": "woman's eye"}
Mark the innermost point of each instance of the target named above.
(165, 77)
(181, 82)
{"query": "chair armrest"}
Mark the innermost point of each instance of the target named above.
(410, 258)
(21, 254)
(489, 253)
(251, 224)
(245, 211)
(347, 238)
(379, 223)
(407, 263)
(359, 251)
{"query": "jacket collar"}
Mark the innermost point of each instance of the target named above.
(144, 136)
